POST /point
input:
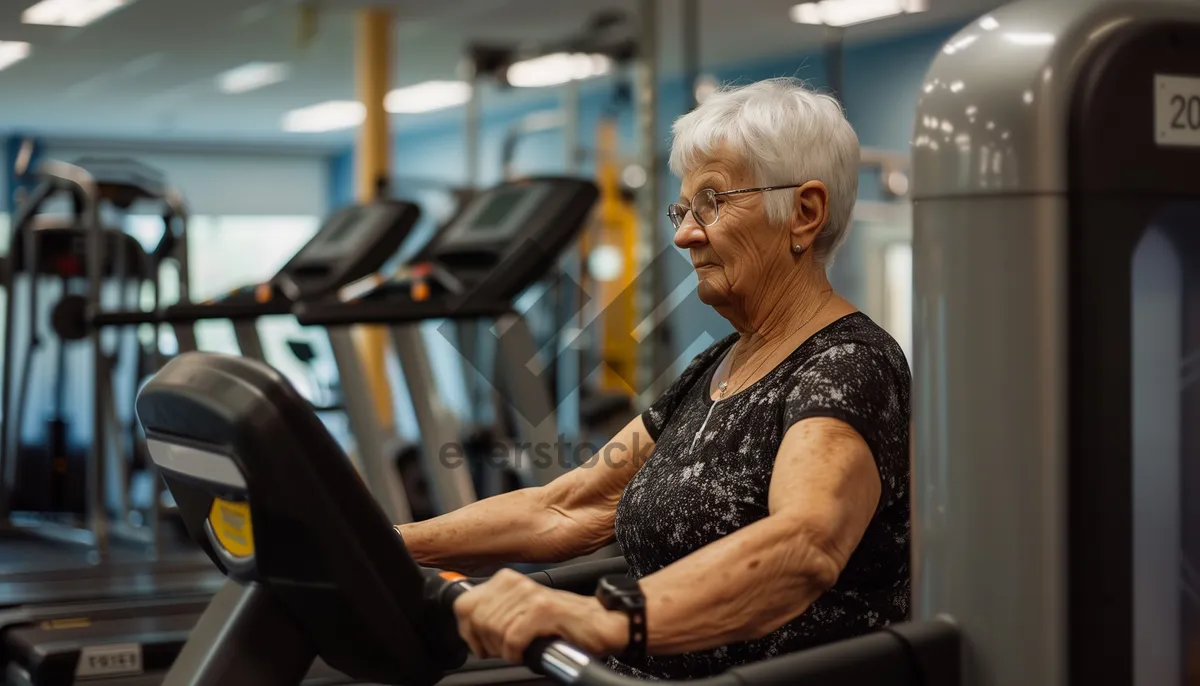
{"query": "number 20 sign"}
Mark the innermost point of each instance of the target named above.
(1176, 110)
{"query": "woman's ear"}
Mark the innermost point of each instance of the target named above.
(810, 214)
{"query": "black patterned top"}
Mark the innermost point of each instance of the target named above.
(697, 487)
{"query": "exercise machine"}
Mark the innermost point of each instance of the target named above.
(68, 475)
(503, 241)
(1055, 319)
(254, 465)
(563, 316)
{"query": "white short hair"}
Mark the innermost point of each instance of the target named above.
(784, 133)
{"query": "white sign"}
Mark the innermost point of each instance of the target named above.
(1176, 110)
(109, 660)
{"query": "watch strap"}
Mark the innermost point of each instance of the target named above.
(632, 604)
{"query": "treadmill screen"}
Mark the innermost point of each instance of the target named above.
(495, 214)
(345, 224)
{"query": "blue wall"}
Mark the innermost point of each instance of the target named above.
(881, 83)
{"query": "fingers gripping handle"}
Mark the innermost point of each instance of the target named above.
(544, 653)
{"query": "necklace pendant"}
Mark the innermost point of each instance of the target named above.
(722, 386)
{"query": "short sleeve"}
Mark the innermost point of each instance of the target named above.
(860, 385)
(661, 410)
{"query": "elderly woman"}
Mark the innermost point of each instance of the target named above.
(762, 502)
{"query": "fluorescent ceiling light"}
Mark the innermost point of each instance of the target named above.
(1030, 38)
(849, 12)
(12, 51)
(326, 116)
(556, 69)
(427, 97)
(70, 12)
(251, 76)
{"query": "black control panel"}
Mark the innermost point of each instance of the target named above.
(354, 242)
(503, 242)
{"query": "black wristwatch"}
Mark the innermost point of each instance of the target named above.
(621, 593)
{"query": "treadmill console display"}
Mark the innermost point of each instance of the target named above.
(344, 231)
(343, 225)
(495, 218)
(354, 242)
(499, 207)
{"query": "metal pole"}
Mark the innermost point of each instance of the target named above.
(471, 131)
(568, 314)
(372, 64)
(96, 514)
(468, 331)
(650, 198)
(690, 22)
(373, 59)
(835, 38)
(570, 108)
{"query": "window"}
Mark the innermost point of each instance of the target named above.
(898, 280)
(228, 252)
(874, 267)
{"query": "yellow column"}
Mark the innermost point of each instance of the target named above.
(372, 65)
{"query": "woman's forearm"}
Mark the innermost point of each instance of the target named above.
(513, 527)
(738, 588)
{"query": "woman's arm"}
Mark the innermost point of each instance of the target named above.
(571, 516)
(824, 492)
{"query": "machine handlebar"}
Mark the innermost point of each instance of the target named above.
(369, 312)
(189, 313)
(884, 658)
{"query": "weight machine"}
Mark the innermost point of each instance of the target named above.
(83, 479)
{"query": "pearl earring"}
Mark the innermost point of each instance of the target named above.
(797, 249)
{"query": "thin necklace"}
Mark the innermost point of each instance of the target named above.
(723, 386)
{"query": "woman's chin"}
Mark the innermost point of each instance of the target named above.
(709, 295)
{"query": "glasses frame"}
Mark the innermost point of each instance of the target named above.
(672, 209)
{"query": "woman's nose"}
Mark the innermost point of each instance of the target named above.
(690, 234)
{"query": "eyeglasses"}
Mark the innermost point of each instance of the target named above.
(704, 205)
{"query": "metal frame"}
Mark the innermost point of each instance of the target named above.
(105, 479)
(439, 428)
(374, 444)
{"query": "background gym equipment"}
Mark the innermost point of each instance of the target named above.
(562, 313)
(502, 242)
(353, 243)
(68, 472)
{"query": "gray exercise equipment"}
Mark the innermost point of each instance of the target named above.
(1056, 261)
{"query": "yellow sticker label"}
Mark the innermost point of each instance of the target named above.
(74, 623)
(230, 523)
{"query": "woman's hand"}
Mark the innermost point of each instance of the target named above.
(502, 616)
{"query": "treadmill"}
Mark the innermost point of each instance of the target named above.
(354, 242)
(500, 244)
